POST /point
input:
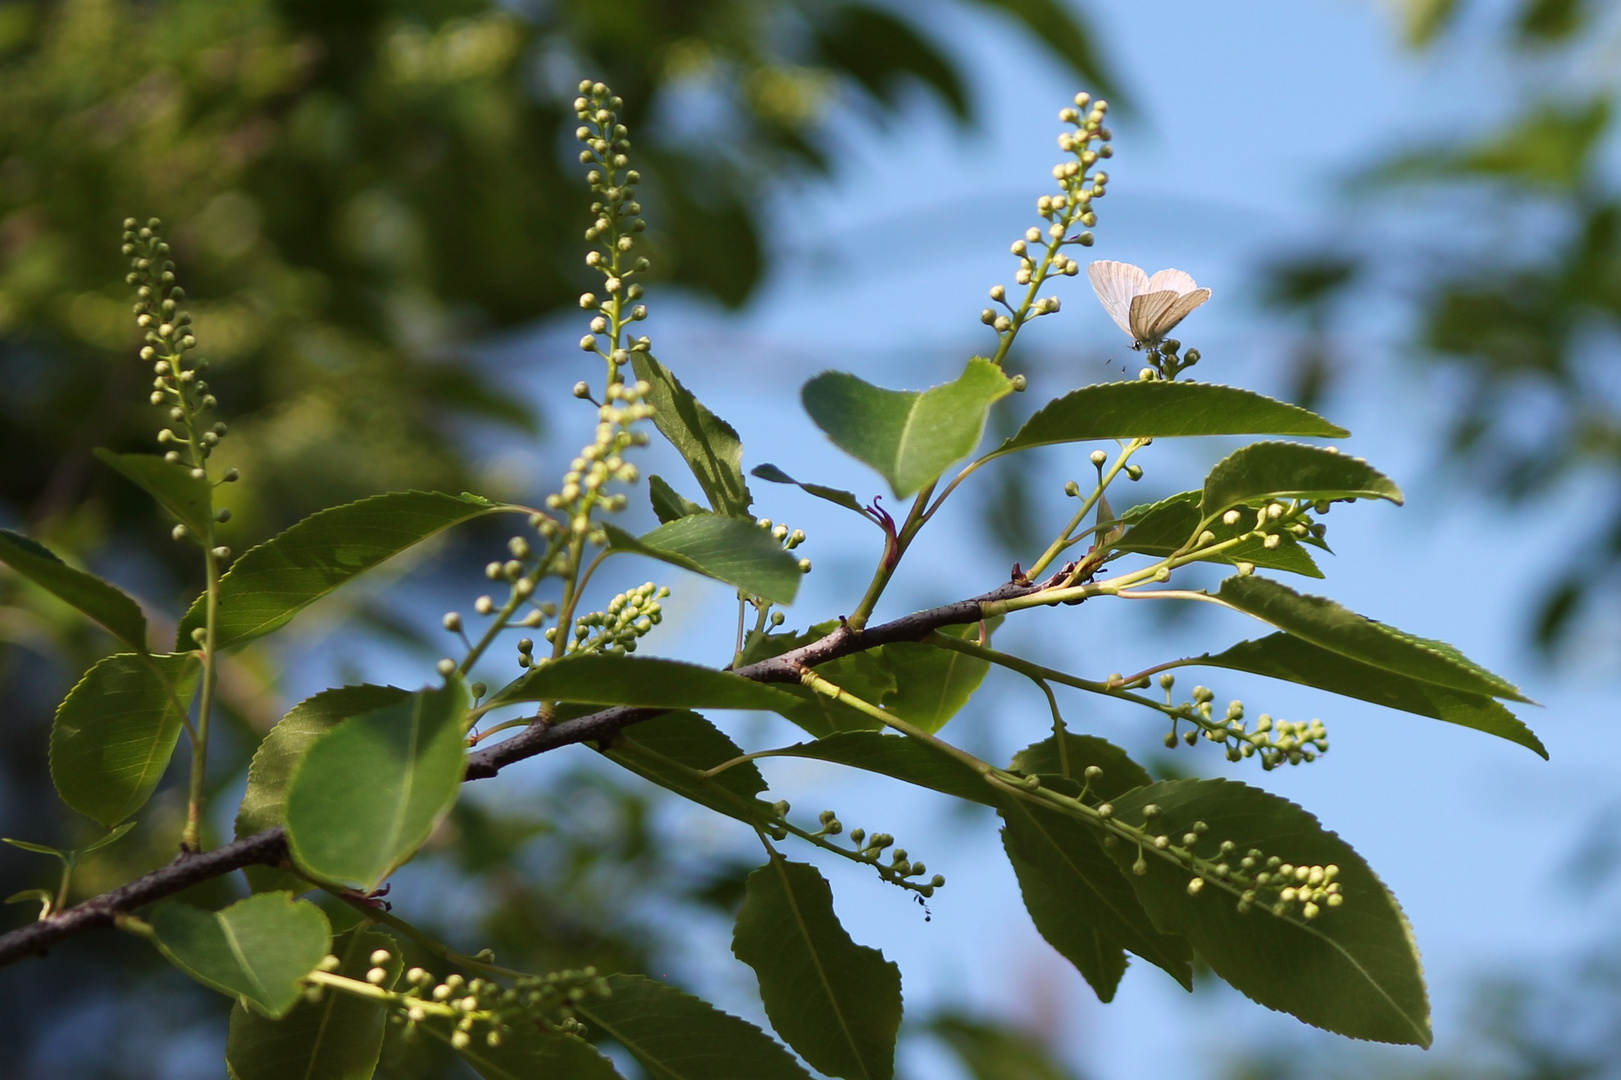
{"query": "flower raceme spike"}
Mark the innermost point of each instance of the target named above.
(1145, 307)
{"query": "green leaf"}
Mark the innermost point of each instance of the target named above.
(41, 897)
(676, 1036)
(1284, 656)
(909, 436)
(835, 1002)
(257, 949)
(1274, 470)
(931, 684)
(1353, 970)
(337, 1038)
(1328, 625)
(1133, 410)
(652, 682)
(116, 730)
(279, 578)
(993, 1052)
(370, 791)
(112, 837)
(103, 602)
(836, 496)
(709, 444)
(271, 770)
(1080, 900)
(37, 849)
(668, 749)
(530, 1053)
(1168, 525)
(188, 498)
(900, 758)
(668, 503)
(729, 549)
(1070, 758)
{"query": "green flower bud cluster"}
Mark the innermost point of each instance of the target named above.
(614, 230)
(869, 849)
(600, 463)
(487, 1011)
(1041, 250)
(788, 538)
(1283, 888)
(1275, 742)
(177, 381)
(1164, 363)
(629, 617)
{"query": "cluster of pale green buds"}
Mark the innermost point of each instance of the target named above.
(618, 220)
(175, 383)
(1276, 742)
(869, 849)
(485, 1009)
(629, 617)
(1280, 886)
(789, 539)
(601, 462)
(1040, 250)
(1164, 363)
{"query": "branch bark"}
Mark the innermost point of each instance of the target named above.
(270, 847)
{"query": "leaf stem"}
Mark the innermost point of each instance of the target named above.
(1062, 540)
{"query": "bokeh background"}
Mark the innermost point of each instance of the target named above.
(1409, 215)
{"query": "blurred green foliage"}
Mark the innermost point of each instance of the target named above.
(360, 194)
(1521, 294)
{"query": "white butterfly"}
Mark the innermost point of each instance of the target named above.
(1145, 307)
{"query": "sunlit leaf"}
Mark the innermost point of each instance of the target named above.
(909, 436)
(835, 1002)
(1157, 409)
(116, 730)
(836, 496)
(276, 580)
(103, 602)
(729, 549)
(653, 682)
(1274, 470)
(1353, 969)
(668, 750)
(1284, 656)
(709, 444)
(257, 949)
(370, 791)
(676, 1036)
(1330, 626)
(1169, 525)
(336, 1038)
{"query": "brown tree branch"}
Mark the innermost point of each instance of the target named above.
(270, 847)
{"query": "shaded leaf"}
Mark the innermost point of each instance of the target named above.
(1081, 901)
(667, 749)
(900, 758)
(102, 601)
(676, 1036)
(276, 580)
(188, 498)
(835, 1002)
(993, 1052)
(1070, 758)
(931, 684)
(1138, 409)
(909, 436)
(1353, 970)
(1274, 470)
(729, 549)
(271, 770)
(668, 503)
(370, 791)
(116, 730)
(1284, 656)
(709, 444)
(836, 496)
(1328, 625)
(1168, 525)
(257, 949)
(653, 682)
(529, 1053)
(336, 1038)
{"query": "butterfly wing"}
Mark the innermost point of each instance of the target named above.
(1116, 283)
(1178, 281)
(1148, 315)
